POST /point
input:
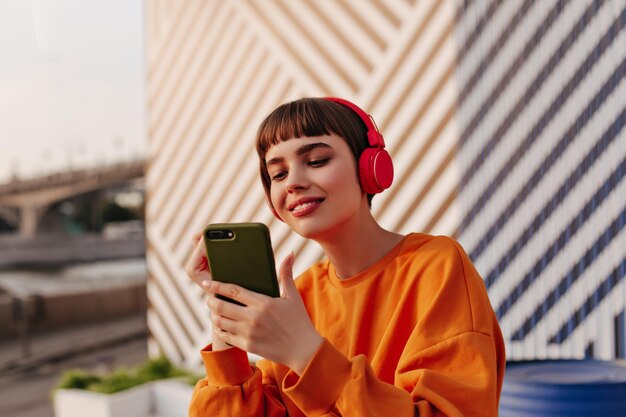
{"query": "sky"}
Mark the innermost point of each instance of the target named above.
(71, 85)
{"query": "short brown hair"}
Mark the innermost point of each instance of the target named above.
(309, 117)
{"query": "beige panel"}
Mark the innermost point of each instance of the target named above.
(216, 68)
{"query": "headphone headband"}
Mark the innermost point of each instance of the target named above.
(374, 137)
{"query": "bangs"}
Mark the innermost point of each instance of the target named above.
(305, 117)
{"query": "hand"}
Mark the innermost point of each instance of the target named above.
(278, 329)
(197, 269)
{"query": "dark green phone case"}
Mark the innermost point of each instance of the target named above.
(245, 259)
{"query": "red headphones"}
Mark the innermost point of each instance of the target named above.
(375, 165)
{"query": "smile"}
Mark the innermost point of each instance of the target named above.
(303, 207)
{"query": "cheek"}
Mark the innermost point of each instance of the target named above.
(275, 197)
(344, 179)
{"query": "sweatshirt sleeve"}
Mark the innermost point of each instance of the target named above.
(450, 379)
(350, 388)
(233, 387)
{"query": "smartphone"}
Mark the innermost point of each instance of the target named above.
(241, 253)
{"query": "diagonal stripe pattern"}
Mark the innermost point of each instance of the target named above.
(504, 119)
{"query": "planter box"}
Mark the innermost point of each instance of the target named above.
(171, 398)
(167, 398)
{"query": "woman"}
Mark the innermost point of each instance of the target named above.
(387, 325)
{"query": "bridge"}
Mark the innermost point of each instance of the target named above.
(52, 251)
(23, 202)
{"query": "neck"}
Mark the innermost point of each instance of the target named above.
(358, 245)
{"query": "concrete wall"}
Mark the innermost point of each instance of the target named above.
(57, 249)
(52, 312)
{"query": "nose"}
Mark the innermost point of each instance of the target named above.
(292, 188)
(296, 180)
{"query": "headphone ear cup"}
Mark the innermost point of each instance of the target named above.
(375, 170)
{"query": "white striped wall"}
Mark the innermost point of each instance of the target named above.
(216, 68)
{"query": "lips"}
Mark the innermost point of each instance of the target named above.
(304, 206)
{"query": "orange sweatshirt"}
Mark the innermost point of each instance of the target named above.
(414, 334)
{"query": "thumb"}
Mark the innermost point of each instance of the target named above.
(286, 277)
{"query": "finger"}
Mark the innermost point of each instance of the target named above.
(218, 334)
(224, 324)
(197, 266)
(202, 279)
(231, 339)
(205, 285)
(198, 256)
(196, 238)
(235, 292)
(286, 277)
(228, 338)
(225, 308)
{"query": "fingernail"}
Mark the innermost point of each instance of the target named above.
(206, 284)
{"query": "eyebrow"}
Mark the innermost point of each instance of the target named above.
(300, 151)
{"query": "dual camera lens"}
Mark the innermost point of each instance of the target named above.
(220, 234)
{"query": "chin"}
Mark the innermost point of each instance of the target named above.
(317, 229)
(312, 232)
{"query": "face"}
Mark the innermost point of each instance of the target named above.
(314, 185)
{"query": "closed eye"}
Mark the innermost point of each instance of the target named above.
(319, 162)
(278, 176)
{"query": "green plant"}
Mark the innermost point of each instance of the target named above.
(159, 368)
(119, 380)
(124, 378)
(77, 378)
